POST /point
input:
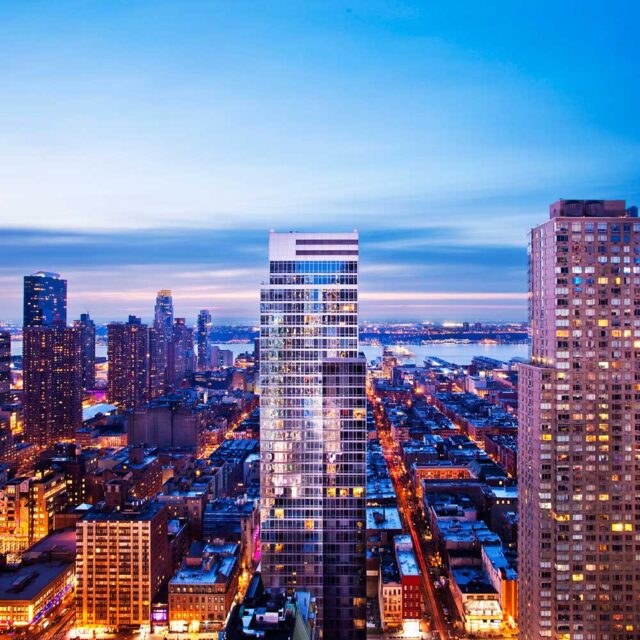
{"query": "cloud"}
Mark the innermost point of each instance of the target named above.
(118, 272)
(400, 296)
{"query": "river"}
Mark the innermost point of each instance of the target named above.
(459, 353)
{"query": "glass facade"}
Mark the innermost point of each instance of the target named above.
(313, 426)
(45, 300)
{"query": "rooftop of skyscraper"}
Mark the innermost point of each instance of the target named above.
(591, 209)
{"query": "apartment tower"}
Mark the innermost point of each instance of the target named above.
(5, 366)
(159, 337)
(128, 363)
(52, 362)
(122, 563)
(45, 300)
(88, 339)
(204, 340)
(312, 427)
(579, 438)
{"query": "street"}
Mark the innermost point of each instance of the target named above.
(413, 523)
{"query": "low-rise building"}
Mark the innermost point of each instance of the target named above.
(233, 520)
(383, 523)
(44, 579)
(202, 591)
(390, 592)
(476, 600)
(409, 577)
(503, 579)
(272, 615)
(27, 593)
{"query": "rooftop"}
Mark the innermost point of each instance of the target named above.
(62, 541)
(590, 209)
(26, 582)
(472, 580)
(215, 570)
(405, 557)
(383, 518)
(92, 411)
(146, 511)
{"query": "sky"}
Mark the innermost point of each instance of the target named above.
(154, 144)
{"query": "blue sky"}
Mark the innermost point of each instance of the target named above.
(153, 144)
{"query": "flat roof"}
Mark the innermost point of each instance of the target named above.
(216, 573)
(95, 409)
(407, 562)
(147, 512)
(472, 580)
(388, 518)
(509, 493)
(29, 580)
(63, 540)
(495, 555)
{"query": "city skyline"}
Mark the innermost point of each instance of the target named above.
(231, 289)
(440, 132)
(319, 320)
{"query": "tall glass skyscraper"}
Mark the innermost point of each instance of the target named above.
(312, 429)
(579, 417)
(45, 300)
(159, 340)
(204, 340)
(180, 354)
(163, 312)
(88, 338)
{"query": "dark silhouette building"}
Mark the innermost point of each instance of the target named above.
(180, 359)
(5, 366)
(158, 346)
(87, 330)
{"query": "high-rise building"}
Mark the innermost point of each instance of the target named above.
(122, 562)
(128, 383)
(163, 313)
(180, 358)
(52, 363)
(312, 429)
(87, 330)
(579, 505)
(158, 346)
(221, 358)
(5, 366)
(204, 340)
(159, 340)
(45, 300)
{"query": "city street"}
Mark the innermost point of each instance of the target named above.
(413, 523)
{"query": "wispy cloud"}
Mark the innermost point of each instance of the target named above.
(113, 274)
(401, 296)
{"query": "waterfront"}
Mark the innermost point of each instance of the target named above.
(459, 353)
